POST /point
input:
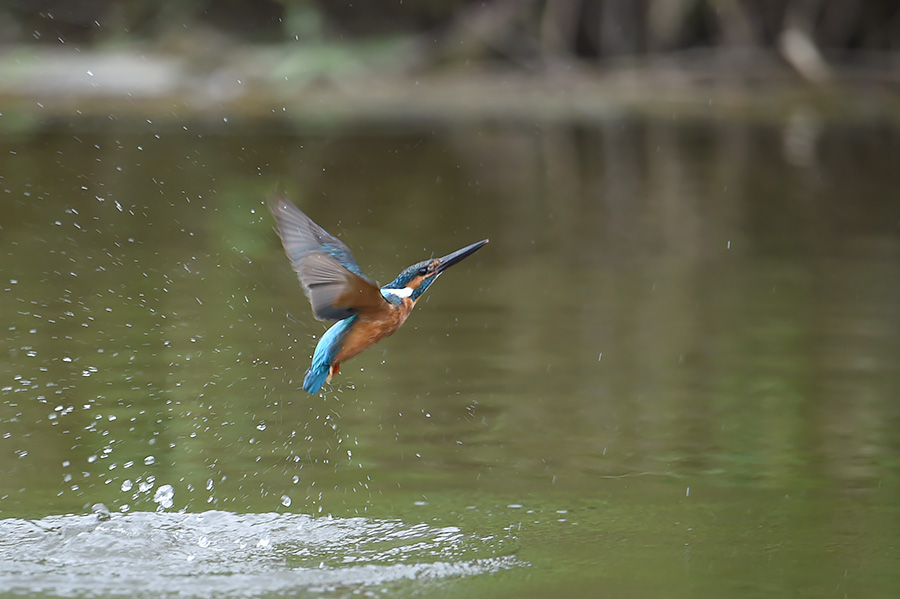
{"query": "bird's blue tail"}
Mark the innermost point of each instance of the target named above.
(326, 350)
(315, 378)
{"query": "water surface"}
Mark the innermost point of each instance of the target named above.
(674, 370)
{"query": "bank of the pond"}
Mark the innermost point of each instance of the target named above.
(278, 85)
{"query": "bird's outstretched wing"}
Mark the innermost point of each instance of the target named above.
(331, 279)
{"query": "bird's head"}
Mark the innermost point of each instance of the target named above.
(414, 280)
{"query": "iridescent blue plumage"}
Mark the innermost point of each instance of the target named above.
(338, 290)
(326, 350)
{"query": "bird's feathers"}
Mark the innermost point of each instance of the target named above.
(331, 279)
(324, 355)
(301, 235)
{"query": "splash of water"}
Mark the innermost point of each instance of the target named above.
(222, 554)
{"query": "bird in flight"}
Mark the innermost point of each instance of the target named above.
(339, 290)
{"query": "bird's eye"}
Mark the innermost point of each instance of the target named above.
(423, 271)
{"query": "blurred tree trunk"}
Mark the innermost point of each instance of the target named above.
(559, 28)
(796, 41)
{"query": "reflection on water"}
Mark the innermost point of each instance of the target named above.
(215, 554)
(671, 318)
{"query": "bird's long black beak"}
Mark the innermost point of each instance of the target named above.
(457, 256)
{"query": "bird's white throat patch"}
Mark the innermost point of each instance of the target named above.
(405, 292)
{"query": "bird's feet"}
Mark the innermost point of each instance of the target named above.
(332, 370)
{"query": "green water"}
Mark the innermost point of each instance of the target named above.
(675, 370)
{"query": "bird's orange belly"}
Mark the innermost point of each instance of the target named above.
(367, 332)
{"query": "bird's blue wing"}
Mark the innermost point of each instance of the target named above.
(301, 235)
(331, 279)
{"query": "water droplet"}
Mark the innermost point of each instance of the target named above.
(149, 460)
(164, 496)
(127, 485)
(285, 501)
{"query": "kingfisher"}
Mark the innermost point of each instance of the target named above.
(338, 290)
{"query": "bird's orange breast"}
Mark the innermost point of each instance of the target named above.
(370, 329)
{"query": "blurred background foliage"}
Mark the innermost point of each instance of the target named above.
(811, 36)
